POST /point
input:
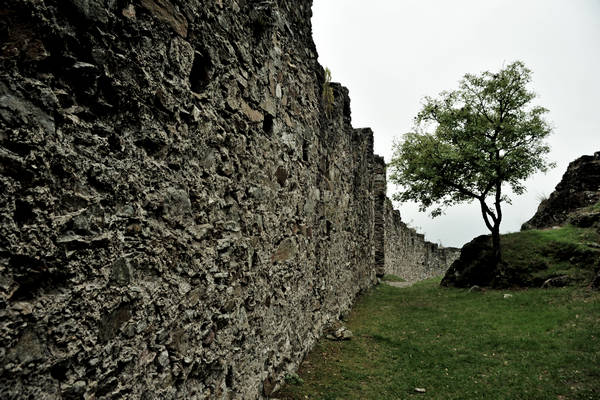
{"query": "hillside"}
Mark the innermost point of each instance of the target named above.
(568, 255)
(558, 246)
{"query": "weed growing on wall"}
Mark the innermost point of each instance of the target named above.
(327, 94)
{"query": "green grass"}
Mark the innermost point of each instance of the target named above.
(536, 255)
(537, 344)
(393, 278)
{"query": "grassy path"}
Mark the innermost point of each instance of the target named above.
(534, 344)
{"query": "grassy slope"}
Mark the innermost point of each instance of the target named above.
(537, 255)
(537, 344)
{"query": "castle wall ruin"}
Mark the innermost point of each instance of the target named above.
(180, 216)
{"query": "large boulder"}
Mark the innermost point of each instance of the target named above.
(578, 189)
(475, 266)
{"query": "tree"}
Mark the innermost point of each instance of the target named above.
(470, 143)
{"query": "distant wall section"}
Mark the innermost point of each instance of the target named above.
(407, 253)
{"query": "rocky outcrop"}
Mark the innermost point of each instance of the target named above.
(579, 188)
(179, 216)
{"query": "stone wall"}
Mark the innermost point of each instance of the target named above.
(179, 216)
(379, 198)
(407, 253)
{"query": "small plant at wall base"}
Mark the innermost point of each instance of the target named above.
(470, 142)
(293, 379)
(327, 93)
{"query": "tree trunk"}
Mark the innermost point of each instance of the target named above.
(499, 266)
(496, 247)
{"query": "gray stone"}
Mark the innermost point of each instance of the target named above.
(79, 387)
(23, 307)
(166, 12)
(337, 331)
(163, 358)
(557, 281)
(285, 250)
(181, 55)
(121, 273)
(28, 349)
(346, 334)
(93, 10)
(19, 111)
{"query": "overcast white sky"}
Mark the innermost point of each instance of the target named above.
(392, 53)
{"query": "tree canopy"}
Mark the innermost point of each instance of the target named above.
(470, 142)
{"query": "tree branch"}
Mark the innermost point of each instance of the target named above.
(481, 106)
(484, 211)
